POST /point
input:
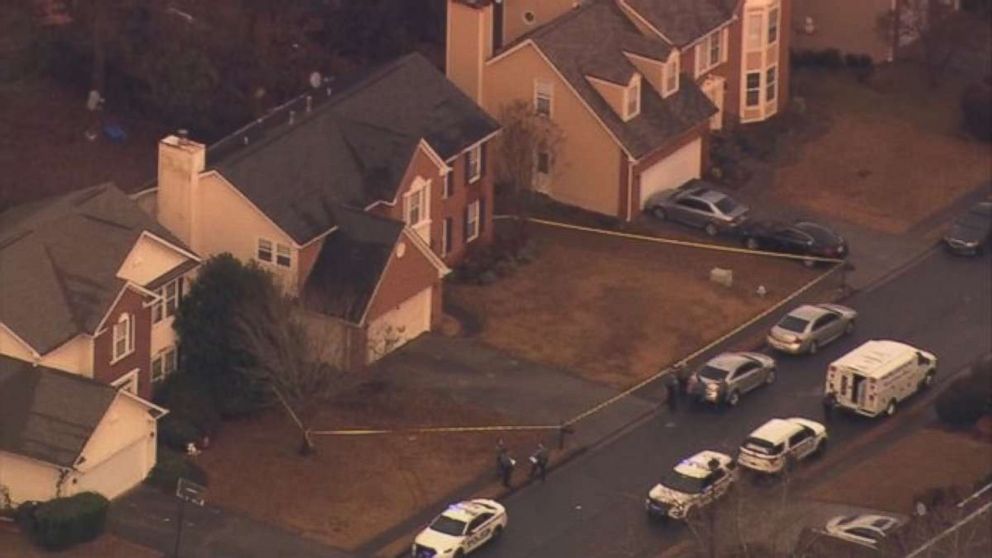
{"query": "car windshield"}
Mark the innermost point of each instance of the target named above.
(820, 234)
(682, 483)
(883, 523)
(792, 323)
(763, 446)
(725, 205)
(713, 373)
(448, 526)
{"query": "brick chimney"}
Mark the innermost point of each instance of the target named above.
(180, 162)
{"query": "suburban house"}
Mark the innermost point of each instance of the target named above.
(636, 86)
(62, 433)
(357, 197)
(89, 284)
(852, 26)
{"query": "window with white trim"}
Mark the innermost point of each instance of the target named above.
(709, 52)
(543, 162)
(168, 300)
(472, 221)
(755, 28)
(544, 93)
(284, 255)
(265, 251)
(416, 206)
(633, 93)
(123, 337)
(771, 84)
(128, 382)
(671, 78)
(474, 162)
(753, 89)
(772, 25)
(449, 184)
(163, 364)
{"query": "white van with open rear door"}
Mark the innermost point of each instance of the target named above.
(874, 378)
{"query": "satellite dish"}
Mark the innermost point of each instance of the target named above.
(316, 80)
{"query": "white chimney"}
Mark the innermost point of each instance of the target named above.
(180, 162)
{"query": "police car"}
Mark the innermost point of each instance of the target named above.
(692, 484)
(460, 529)
(779, 442)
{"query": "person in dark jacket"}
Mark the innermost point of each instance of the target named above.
(672, 392)
(504, 464)
(539, 462)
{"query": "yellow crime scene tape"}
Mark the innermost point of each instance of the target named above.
(629, 391)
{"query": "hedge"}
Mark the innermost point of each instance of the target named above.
(192, 411)
(172, 466)
(63, 522)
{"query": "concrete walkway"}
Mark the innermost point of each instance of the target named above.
(148, 517)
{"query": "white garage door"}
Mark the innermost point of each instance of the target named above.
(120, 472)
(399, 325)
(672, 171)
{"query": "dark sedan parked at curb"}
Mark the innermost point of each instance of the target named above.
(699, 205)
(727, 376)
(970, 233)
(802, 238)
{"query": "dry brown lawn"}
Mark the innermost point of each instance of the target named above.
(15, 545)
(929, 459)
(893, 154)
(354, 488)
(617, 310)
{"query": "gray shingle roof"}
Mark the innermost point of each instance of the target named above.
(47, 414)
(353, 148)
(684, 21)
(350, 264)
(59, 259)
(591, 41)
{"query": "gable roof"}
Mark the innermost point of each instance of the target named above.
(350, 264)
(59, 259)
(591, 40)
(684, 21)
(47, 414)
(351, 149)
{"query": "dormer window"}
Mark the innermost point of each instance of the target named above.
(711, 51)
(670, 80)
(632, 107)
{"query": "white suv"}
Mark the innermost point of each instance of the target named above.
(691, 484)
(781, 441)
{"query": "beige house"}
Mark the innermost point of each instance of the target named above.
(62, 433)
(635, 85)
(354, 196)
(89, 284)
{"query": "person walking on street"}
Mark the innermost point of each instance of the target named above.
(504, 465)
(672, 392)
(539, 462)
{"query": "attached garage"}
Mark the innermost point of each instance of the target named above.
(399, 325)
(673, 171)
(62, 433)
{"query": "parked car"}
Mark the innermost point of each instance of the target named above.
(970, 233)
(811, 326)
(803, 238)
(693, 483)
(699, 205)
(460, 529)
(725, 377)
(781, 442)
(865, 529)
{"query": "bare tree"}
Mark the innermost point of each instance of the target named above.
(939, 32)
(288, 359)
(528, 143)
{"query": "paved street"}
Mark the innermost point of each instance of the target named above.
(593, 506)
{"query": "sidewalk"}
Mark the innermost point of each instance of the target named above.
(148, 517)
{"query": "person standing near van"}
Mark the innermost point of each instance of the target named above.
(829, 402)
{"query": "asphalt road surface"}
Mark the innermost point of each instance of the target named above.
(594, 506)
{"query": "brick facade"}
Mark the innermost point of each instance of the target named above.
(106, 371)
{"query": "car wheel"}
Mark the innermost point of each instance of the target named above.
(659, 213)
(821, 448)
(813, 347)
(497, 533)
(460, 553)
(752, 243)
(849, 328)
(928, 380)
(734, 398)
(891, 408)
(770, 378)
(711, 229)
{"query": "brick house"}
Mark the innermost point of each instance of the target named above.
(89, 284)
(635, 85)
(356, 197)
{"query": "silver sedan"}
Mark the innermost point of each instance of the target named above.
(729, 375)
(811, 326)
